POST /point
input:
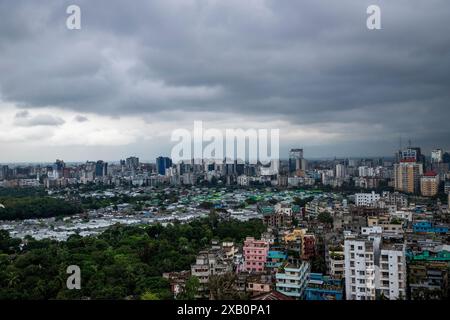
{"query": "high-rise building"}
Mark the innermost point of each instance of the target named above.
(296, 161)
(163, 163)
(359, 269)
(341, 171)
(393, 274)
(437, 156)
(132, 163)
(407, 176)
(57, 169)
(429, 184)
(411, 154)
(4, 172)
(101, 169)
(374, 269)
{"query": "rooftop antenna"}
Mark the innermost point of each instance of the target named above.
(409, 143)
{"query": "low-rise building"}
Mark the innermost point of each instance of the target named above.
(255, 255)
(293, 280)
(322, 287)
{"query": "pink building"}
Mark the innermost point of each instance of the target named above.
(255, 254)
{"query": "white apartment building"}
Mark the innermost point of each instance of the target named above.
(360, 276)
(392, 281)
(366, 199)
(373, 269)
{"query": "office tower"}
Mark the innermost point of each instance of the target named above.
(132, 163)
(429, 184)
(296, 161)
(163, 163)
(101, 169)
(407, 176)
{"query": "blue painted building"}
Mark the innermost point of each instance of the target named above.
(428, 227)
(322, 287)
(163, 163)
(275, 259)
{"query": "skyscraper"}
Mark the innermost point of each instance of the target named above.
(163, 163)
(296, 161)
(101, 169)
(132, 163)
(407, 176)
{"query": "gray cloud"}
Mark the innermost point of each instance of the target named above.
(308, 62)
(80, 118)
(24, 119)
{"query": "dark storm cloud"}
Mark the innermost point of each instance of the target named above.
(308, 62)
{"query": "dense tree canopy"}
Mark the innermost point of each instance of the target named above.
(123, 262)
(36, 207)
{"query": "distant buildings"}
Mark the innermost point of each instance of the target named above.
(132, 163)
(429, 184)
(296, 161)
(437, 156)
(407, 175)
(366, 199)
(162, 164)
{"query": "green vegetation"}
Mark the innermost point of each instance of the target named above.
(29, 207)
(325, 217)
(124, 262)
(302, 202)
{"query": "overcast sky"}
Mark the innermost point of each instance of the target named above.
(137, 70)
